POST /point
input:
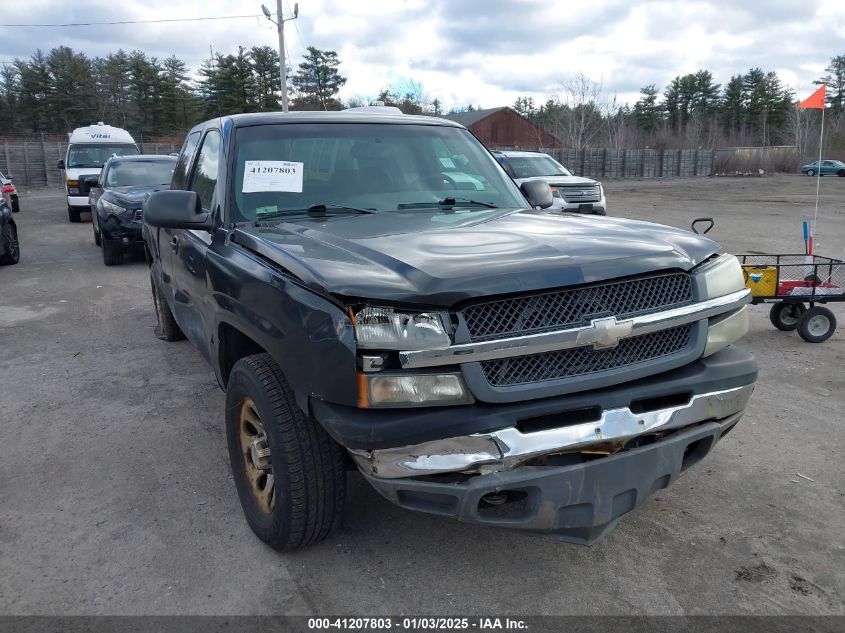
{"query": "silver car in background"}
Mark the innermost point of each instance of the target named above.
(571, 193)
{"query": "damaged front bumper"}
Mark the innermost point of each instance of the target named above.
(580, 503)
(572, 481)
(507, 448)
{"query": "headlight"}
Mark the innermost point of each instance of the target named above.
(386, 328)
(724, 330)
(72, 187)
(72, 191)
(379, 390)
(110, 207)
(721, 277)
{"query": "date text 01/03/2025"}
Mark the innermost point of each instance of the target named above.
(418, 623)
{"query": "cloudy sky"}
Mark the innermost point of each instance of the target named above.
(484, 52)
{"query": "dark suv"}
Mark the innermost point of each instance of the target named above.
(471, 354)
(116, 196)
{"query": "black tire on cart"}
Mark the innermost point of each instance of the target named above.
(289, 473)
(817, 324)
(786, 316)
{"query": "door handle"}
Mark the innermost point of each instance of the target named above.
(174, 244)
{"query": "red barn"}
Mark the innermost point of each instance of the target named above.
(504, 127)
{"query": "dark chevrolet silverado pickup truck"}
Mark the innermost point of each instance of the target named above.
(373, 292)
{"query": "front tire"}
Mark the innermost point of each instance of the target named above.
(289, 473)
(811, 172)
(73, 214)
(112, 254)
(168, 329)
(16, 204)
(841, 173)
(817, 325)
(12, 254)
(786, 316)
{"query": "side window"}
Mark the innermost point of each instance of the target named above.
(205, 172)
(180, 173)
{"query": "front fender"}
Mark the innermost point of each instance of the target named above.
(309, 335)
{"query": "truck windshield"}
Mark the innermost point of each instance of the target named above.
(139, 173)
(96, 154)
(380, 167)
(533, 166)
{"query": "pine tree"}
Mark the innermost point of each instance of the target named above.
(265, 67)
(647, 112)
(835, 80)
(318, 81)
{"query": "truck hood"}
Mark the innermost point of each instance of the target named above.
(442, 258)
(559, 180)
(78, 173)
(132, 196)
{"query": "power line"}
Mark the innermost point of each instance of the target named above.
(218, 17)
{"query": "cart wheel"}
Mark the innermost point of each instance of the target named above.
(786, 316)
(817, 325)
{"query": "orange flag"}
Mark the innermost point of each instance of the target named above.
(815, 100)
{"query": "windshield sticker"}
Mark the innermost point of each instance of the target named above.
(448, 163)
(272, 175)
(265, 211)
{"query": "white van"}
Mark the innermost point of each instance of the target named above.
(87, 151)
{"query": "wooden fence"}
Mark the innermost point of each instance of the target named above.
(32, 164)
(636, 163)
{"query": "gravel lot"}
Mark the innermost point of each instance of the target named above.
(116, 496)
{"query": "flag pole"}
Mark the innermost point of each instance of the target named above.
(818, 184)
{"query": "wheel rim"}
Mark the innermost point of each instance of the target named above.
(255, 450)
(790, 315)
(818, 325)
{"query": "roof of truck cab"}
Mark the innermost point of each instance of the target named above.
(340, 116)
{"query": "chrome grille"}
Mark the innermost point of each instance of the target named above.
(138, 215)
(563, 309)
(580, 193)
(520, 370)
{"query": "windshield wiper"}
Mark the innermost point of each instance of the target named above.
(448, 202)
(314, 209)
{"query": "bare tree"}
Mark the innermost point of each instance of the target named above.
(578, 113)
(618, 126)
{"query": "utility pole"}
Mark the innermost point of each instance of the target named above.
(280, 27)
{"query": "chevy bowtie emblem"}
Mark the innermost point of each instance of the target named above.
(605, 333)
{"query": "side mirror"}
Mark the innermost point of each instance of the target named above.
(91, 181)
(177, 210)
(538, 193)
(60, 164)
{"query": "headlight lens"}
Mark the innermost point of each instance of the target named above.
(386, 328)
(721, 277)
(110, 207)
(423, 389)
(725, 330)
